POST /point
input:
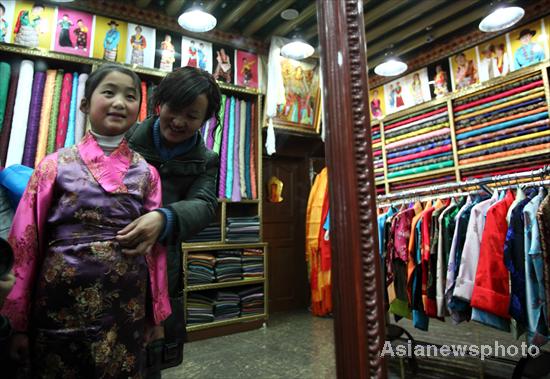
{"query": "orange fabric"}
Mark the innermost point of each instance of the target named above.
(505, 153)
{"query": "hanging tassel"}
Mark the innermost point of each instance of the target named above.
(270, 140)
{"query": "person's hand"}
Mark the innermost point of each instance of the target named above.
(6, 284)
(19, 348)
(138, 237)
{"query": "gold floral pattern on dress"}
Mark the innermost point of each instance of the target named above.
(57, 269)
(112, 356)
(55, 367)
(135, 309)
(42, 176)
(94, 215)
(104, 250)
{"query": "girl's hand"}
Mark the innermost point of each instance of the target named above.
(6, 284)
(19, 348)
(140, 235)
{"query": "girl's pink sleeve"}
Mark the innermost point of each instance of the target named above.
(156, 261)
(27, 240)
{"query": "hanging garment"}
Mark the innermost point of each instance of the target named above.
(543, 218)
(313, 215)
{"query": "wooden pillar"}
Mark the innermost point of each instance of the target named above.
(356, 276)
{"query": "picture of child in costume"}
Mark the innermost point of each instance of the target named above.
(168, 54)
(81, 33)
(64, 35)
(111, 41)
(139, 43)
(27, 26)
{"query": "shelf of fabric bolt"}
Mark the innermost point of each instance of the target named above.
(503, 124)
(233, 283)
(236, 320)
(378, 161)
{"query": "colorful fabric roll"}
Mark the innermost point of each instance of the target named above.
(223, 155)
(423, 137)
(515, 131)
(502, 119)
(417, 132)
(505, 105)
(31, 139)
(52, 130)
(5, 72)
(505, 142)
(80, 121)
(411, 119)
(21, 113)
(495, 90)
(497, 102)
(505, 154)
(230, 144)
(422, 169)
(64, 110)
(253, 150)
(418, 149)
(509, 112)
(221, 128)
(432, 120)
(242, 149)
(236, 193)
(508, 147)
(503, 125)
(421, 154)
(420, 162)
(8, 118)
(69, 140)
(143, 106)
(47, 99)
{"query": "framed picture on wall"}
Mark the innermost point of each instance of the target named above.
(407, 91)
(440, 81)
(196, 53)
(73, 32)
(109, 39)
(301, 110)
(224, 64)
(7, 9)
(167, 52)
(377, 105)
(528, 44)
(246, 69)
(141, 45)
(464, 69)
(32, 24)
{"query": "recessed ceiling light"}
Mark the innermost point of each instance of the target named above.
(501, 18)
(196, 20)
(391, 67)
(289, 14)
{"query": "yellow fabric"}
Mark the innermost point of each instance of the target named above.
(417, 132)
(505, 142)
(502, 105)
(47, 99)
(314, 213)
(377, 144)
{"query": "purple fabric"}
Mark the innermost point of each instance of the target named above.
(31, 138)
(236, 193)
(211, 131)
(71, 271)
(223, 154)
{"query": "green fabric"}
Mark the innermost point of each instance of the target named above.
(400, 308)
(52, 130)
(219, 131)
(418, 170)
(5, 72)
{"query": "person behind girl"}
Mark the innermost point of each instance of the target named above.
(81, 33)
(170, 140)
(27, 26)
(79, 305)
(64, 36)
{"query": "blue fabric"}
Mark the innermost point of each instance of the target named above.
(326, 225)
(230, 146)
(527, 55)
(490, 319)
(505, 136)
(420, 320)
(69, 139)
(537, 330)
(247, 144)
(381, 223)
(166, 153)
(168, 223)
(419, 149)
(15, 178)
(503, 125)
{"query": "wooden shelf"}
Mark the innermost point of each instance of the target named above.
(236, 320)
(244, 201)
(201, 246)
(234, 283)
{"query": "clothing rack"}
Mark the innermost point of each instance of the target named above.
(480, 183)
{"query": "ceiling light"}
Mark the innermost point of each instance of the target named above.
(391, 67)
(501, 18)
(289, 14)
(196, 20)
(297, 49)
(62, 1)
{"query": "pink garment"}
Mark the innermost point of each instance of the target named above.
(418, 138)
(28, 235)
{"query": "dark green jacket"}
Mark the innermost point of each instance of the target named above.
(188, 189)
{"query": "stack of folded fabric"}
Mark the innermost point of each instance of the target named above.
(243, 229)
(200, 308)
(228, 266)
(252, 301)
(200, 268)
(227, 305)
(378, 159)
(253, 263)
(212, 232)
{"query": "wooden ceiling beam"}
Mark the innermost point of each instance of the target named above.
(439, 32)
(310, 32)
(142, 3)
(210, 5)
(289, 26)
(420, 25)
(372, 15)
(388, 27)
(238, 12)
(173, 7)
(267, 16)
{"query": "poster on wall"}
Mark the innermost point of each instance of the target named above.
(141, 45)
(407, 91)
(377, 105)
(302, 94)
(246, 69)
(493, 58)
(196, 53)
(167, 51)
(440, 82)
(32, 24)
(7, 10)
(464, 70)
(224, 63)
(529, 45)
(109, 39)
(73, 31)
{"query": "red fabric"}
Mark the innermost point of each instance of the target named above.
(498, 96)
(64, 110)
(419, 117)
(421, 154)
(425, 251)
(491, 287)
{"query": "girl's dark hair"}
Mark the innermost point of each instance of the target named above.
(182, 86)
(3, 7)
(98, 75)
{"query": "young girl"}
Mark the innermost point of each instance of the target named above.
(79, 304)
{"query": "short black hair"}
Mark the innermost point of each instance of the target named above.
(98, 75)
(182, 86)
(3, 7)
